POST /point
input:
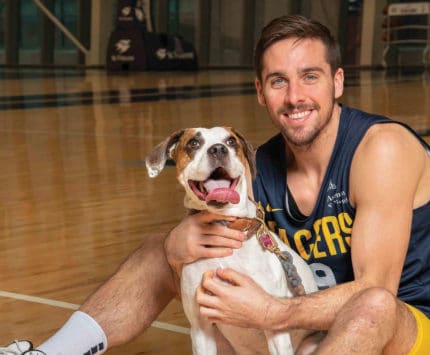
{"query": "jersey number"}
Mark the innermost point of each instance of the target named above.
(323, 275)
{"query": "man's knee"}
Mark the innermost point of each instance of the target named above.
(382, 314)
(378, 299)
(373, 307)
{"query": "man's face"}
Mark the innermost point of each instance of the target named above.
(298, 88)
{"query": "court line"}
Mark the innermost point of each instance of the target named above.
(73, 306)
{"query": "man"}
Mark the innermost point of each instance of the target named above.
(349, 191)
(357, 192)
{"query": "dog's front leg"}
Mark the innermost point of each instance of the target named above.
(203, 338)
(279, 343)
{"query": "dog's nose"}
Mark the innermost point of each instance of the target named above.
(218, 151)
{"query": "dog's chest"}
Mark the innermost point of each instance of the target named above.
(250, 259)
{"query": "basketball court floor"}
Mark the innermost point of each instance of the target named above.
(75, 196)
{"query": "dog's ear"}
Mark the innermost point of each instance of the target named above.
(249, 151)
(156, 159)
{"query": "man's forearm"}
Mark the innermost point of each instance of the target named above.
(314, 311)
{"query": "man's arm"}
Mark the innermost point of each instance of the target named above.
(386, 174)
(198, 237)
(387, 183)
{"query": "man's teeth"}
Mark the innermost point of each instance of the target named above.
(298, 115)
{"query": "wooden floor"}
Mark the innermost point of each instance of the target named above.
(75, 197)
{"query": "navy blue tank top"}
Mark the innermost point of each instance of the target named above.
(323, 239)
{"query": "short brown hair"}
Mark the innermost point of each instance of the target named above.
(295, 26)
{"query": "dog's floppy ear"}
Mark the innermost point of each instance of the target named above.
(156, 159)
(249, 151)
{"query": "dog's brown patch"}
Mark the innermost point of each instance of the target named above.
(181, 155)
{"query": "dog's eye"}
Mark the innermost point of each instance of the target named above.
(193, 144)
(231, 142)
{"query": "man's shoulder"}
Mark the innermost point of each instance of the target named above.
(393, 139)
(354, 113)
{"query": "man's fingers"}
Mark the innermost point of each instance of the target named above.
(200, 293)
(220, 241)
(231, 276)
(211, 314)
(210, 274)
(216, 229)
(214, 286)
(216, 252)
(205, 298)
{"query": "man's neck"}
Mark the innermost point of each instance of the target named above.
(314, 158)
(306, 168)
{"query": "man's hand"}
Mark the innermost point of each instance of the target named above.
(228, 297)
(197, 237)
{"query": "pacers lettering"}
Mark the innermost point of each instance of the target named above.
(330, 235)
(301, 238)
(315, 247)
(345, 223)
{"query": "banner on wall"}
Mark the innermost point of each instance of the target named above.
(133, 45)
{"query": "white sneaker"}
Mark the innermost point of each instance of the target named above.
(20, 347)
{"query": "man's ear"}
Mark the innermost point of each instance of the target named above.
(156, 159)
(259, 88)
(338, 83)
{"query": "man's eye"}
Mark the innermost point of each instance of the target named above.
(193, 143)
(311, 77)
(278, 82)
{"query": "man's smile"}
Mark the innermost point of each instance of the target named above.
(298, 115)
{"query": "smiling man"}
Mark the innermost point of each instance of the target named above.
(300, 94)
(350, 192)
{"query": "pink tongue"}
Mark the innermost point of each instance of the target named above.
(223, 195)
(220, 191)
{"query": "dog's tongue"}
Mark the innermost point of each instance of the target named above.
(220, 191)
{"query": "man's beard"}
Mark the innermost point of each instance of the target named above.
(303, 137)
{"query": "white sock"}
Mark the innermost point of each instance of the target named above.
(81, 335)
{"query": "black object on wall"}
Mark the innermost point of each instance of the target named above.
(132, 47)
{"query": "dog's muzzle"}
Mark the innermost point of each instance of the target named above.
(220, 187)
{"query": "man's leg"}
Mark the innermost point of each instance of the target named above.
(130, 300)
(372, 322)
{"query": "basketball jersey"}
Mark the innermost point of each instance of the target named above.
(323, 239)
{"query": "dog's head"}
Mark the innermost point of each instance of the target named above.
(214, 165)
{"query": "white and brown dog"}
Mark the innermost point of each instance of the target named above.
(214, 167)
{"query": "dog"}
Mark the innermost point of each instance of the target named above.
(215, 167)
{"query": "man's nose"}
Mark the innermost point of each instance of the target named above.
(295, 93)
